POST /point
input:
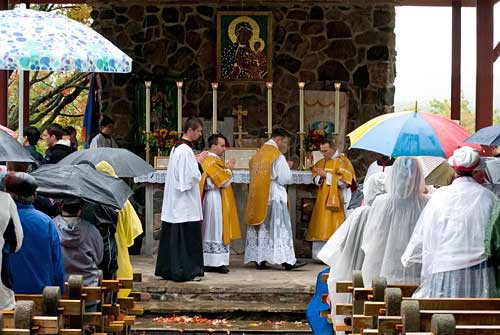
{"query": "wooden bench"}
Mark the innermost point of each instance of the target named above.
(417, 315)
(22, 320)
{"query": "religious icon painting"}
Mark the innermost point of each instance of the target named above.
(244, 46)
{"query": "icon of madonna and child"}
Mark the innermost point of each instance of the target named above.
(243, 49)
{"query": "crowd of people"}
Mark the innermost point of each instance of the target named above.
(43, 240)
(443, 239)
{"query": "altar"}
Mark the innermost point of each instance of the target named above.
(241, 179)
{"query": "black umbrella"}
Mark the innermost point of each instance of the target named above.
(486, 136)
(11, 150)
(124, 162)
(81, 181)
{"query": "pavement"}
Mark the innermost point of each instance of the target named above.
(243, 289)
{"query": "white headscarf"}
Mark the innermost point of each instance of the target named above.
(391, 222)
(374, 186)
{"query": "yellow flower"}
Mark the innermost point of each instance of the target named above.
(163, 133)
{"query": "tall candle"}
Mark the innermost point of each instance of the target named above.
(269, 86)
(301, 107)
(337, 107)
(179, 107)
(148, 107)
(214, 107)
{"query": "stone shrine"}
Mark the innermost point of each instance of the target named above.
(320, 43)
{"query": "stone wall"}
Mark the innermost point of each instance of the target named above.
(319, 42)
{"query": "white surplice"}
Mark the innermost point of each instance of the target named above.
(215, 252)
(272, 241)
(181, 197)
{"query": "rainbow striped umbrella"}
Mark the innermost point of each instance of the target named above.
(409, 134)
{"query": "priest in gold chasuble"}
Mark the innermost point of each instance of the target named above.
(220, 223)
(269, 233)
(335, 176)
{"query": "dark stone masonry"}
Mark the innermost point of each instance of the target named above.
(319, 42)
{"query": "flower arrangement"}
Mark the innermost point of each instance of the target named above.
(313, 139)
(163, 139)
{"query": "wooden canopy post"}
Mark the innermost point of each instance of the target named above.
(4, 77)
(456, 60)
(484, 66)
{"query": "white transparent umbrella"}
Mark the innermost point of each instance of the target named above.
(33, 40)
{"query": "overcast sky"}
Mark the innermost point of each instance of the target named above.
(423, 45)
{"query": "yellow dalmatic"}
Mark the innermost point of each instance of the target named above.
(215, 169)
(261, 166)
(127, 229)
(328, 213)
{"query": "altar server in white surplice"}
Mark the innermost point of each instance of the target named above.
(180, 255)
(220, 216)
(343, 251)
(269, 233)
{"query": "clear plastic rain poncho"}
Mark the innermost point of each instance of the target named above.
(343, 251)
(391, 223)
(449, 242)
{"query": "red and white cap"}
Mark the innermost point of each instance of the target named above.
(465, 159)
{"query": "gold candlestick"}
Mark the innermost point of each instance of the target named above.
(302, 156)
(148, 117)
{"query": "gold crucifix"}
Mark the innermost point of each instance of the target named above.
(240, 113)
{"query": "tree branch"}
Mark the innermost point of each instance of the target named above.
(72, 115)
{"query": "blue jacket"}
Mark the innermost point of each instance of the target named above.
(319, 325)
(39, 262)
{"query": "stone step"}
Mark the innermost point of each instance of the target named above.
(206, 306)
(223, 325)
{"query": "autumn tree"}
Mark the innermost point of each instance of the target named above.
(54, 97)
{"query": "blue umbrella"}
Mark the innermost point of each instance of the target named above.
(486, 136)
(46, 41)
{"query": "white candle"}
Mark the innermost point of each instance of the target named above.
(301, 106)
(179, 107)
(214, 107)
(148, 107)
(337, 106)
(269, 86)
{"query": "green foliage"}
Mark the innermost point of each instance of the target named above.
(467, 115)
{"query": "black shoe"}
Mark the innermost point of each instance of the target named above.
(261, 265)
(298, 264)
(210, 269)
(222, 269)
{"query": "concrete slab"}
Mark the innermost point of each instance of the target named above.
(243, 289)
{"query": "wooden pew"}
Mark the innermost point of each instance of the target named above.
(417, 314)
(22, 320)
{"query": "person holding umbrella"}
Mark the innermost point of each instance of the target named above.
(128, 227)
